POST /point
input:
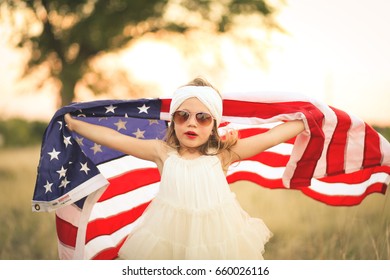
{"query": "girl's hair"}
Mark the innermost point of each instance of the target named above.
(216, 144)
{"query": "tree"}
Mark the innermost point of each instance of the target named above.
(72, 33)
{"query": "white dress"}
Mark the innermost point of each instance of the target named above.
(195, 215)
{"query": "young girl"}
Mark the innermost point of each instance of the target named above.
(194, 215)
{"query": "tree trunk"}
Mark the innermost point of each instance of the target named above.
(69, 76)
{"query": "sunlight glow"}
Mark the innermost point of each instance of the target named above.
(336, 51)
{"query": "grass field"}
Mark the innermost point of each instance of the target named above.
(303, 228)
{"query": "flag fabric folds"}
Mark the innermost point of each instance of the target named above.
(98, 194)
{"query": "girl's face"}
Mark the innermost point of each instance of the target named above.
(191, 134)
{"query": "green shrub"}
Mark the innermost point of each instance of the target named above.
(385, 131)
(21, 133)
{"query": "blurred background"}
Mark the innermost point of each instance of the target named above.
(54, 52)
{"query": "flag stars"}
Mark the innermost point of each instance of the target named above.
(143, 109)
(79, 141)
(62, 172)
(96, 148)
(64, 183)
(139, 133)
(120, 125)
(153, 122)
(54, 154)
(48, 186)
(110, 108)
(60, 123)
(67, 141)
(84, 167)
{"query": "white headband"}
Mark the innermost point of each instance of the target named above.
(207, 95)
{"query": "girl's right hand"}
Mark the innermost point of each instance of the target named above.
(68, 119)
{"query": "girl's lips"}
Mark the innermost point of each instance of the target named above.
(190, 134)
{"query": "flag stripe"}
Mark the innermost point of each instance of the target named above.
(337, 145)
(372, 152)
(130, 181)
(101, 243)
(111, 207)
(347, 200)
(306, 165)
(254, 177)
(357, 177)
(354, 152)
(109, 253)
(66, 232)
(107, 226)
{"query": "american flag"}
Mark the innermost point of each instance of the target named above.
(98, 194)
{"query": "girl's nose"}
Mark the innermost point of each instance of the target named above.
(192, 120)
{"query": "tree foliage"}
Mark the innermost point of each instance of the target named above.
(69, 34)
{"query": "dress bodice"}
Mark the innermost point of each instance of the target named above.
(194, 183)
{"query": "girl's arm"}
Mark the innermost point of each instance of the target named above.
(251, 146)
(143, 149)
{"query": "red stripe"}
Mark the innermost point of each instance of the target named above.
(372, 152)
(306, 165)
(357, 177)
(165, 105)
(109, 253)
(271, 159)
(130, 181)
(107, 226)
(345, 200)
(337, 146)
(260, 110)
(66, 232)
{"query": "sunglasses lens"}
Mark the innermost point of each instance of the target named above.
(203, 118)
(180, 117)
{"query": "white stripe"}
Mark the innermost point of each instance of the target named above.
(251, 121)
(282, 149)
(328, 127)
(122, 165)
(239, 123)
(103, 242)
(70, 214)
(65, 252)
(354, 151)
(343, 189)
(83, 224)
(165, 116)
(254, 167)
(124, 202)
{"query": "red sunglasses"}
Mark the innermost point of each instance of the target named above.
(202, 118)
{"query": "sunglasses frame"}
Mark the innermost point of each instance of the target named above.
(189, 114)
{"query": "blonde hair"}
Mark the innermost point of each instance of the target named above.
(215, 144)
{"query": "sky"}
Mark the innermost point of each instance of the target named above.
(334, 50)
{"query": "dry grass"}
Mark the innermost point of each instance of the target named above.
(303, 228)
(23, 234)
(306, 229)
